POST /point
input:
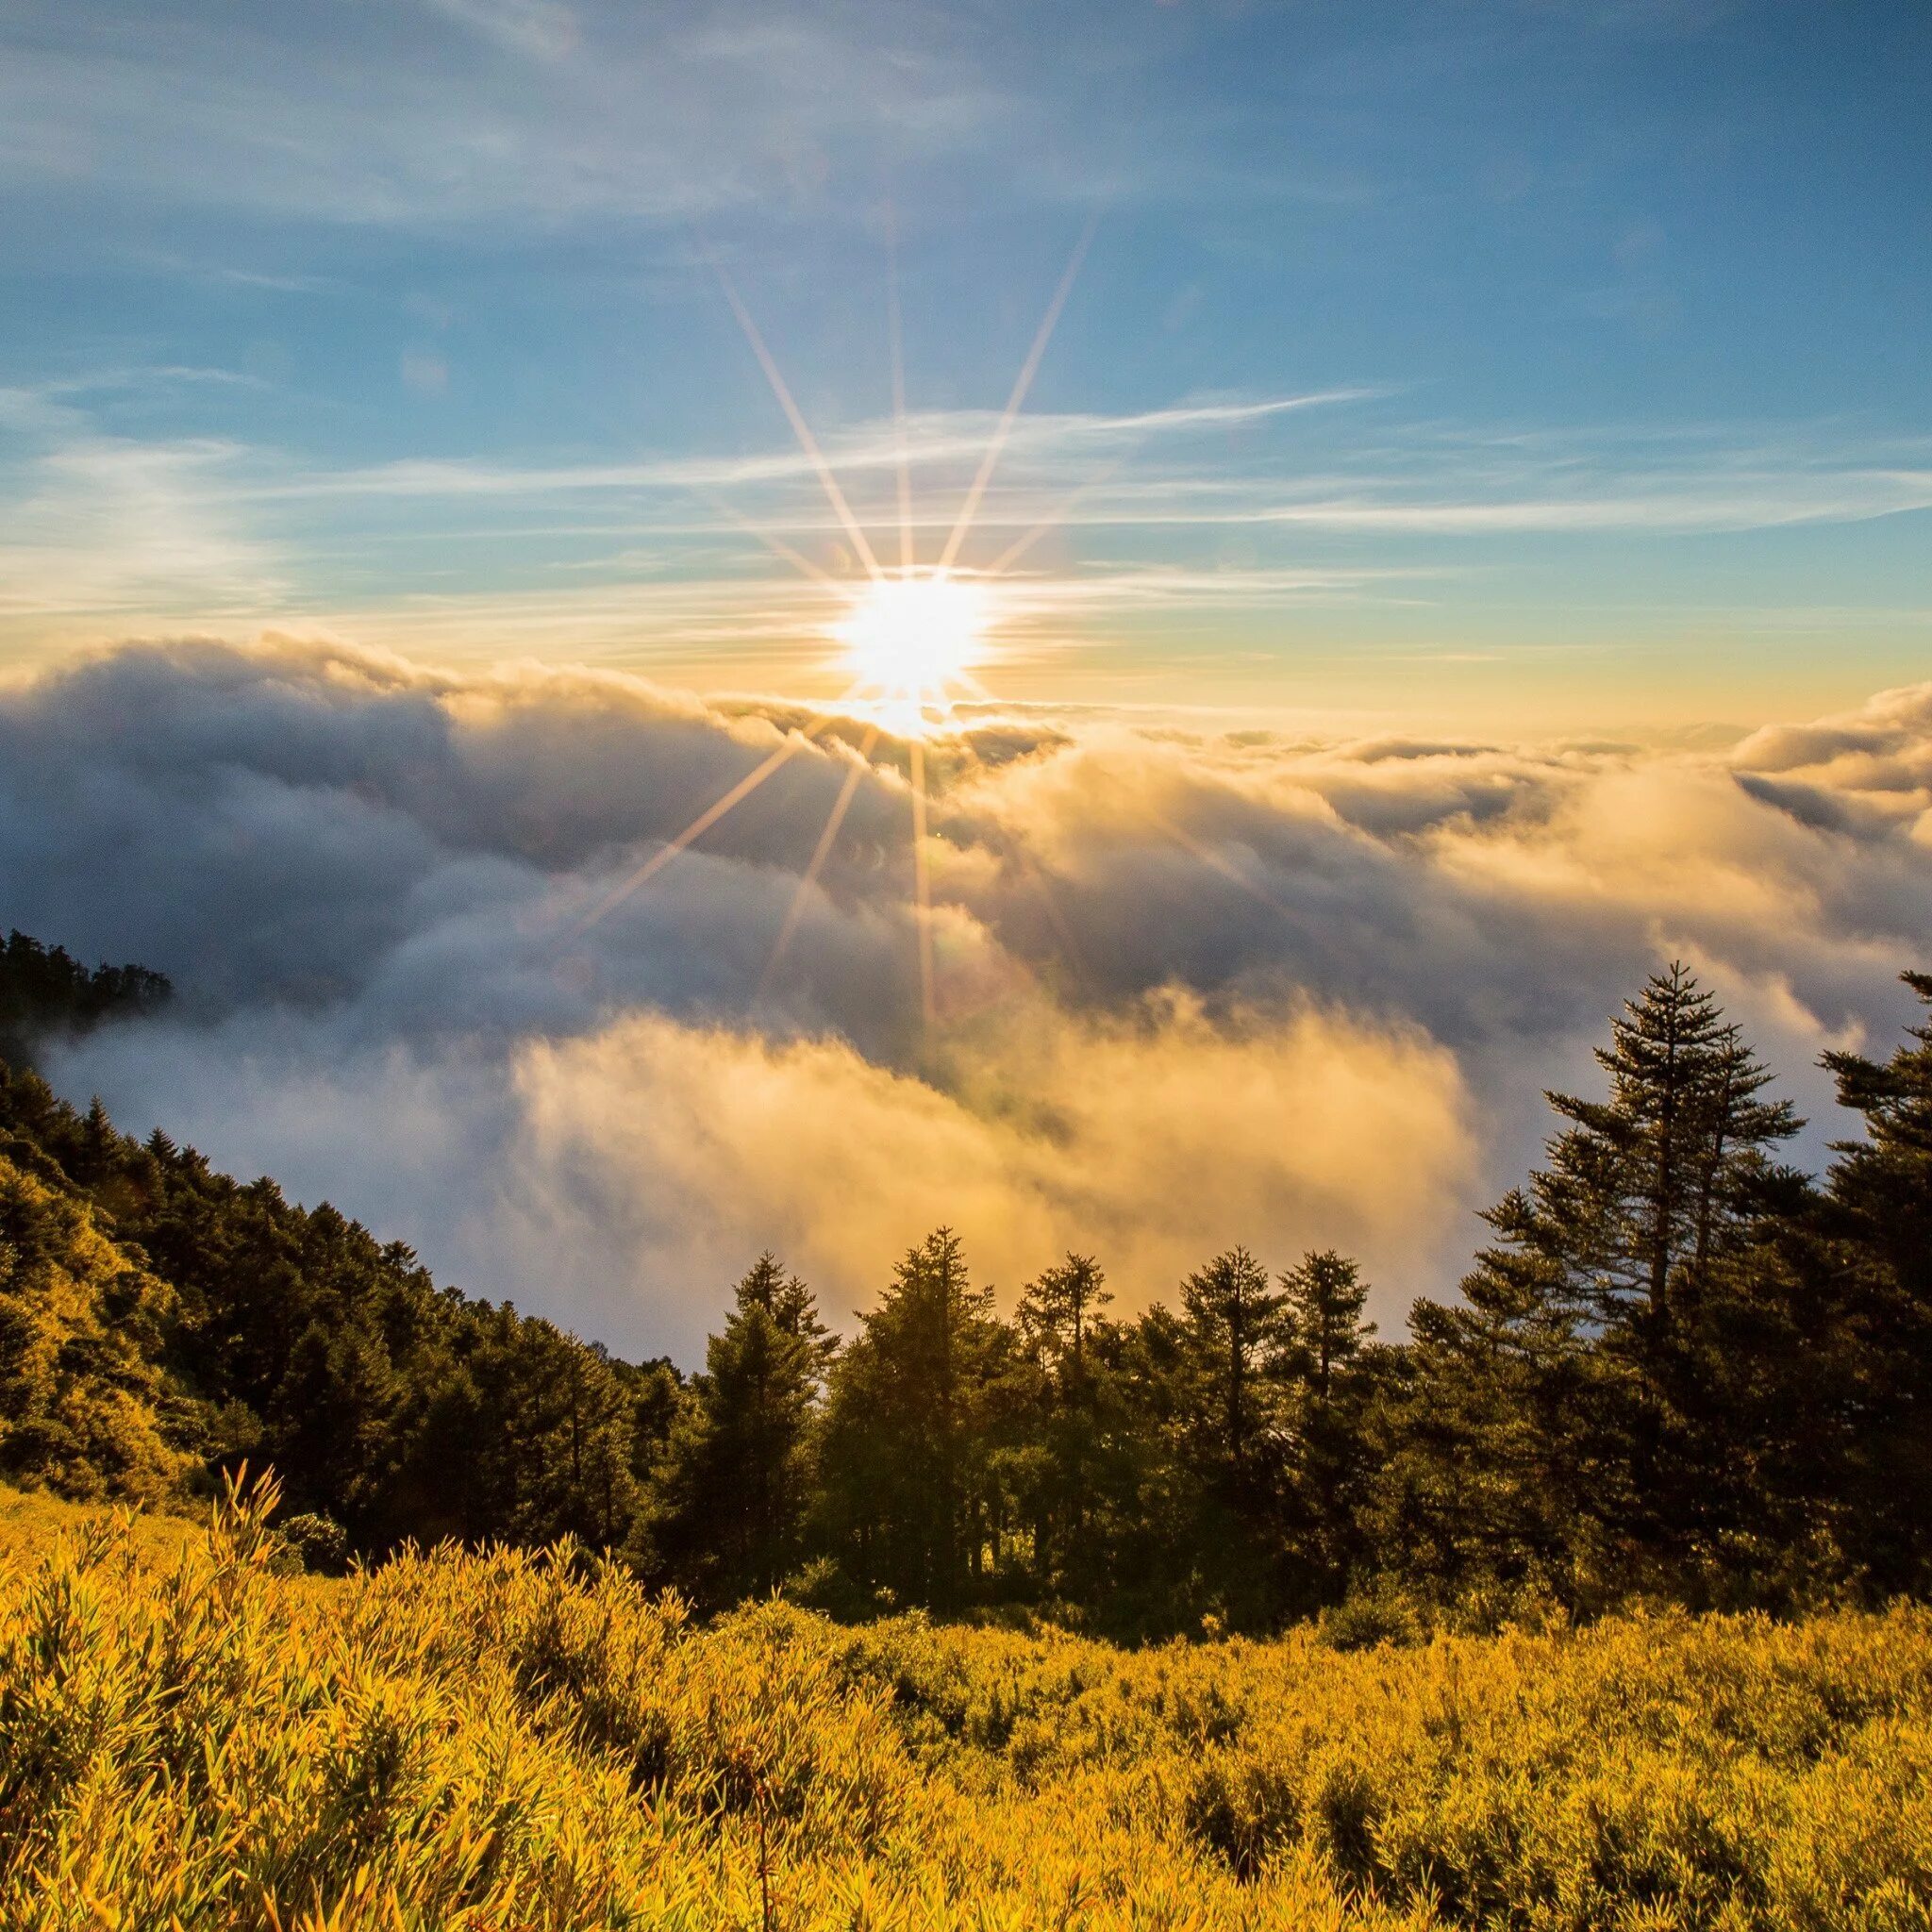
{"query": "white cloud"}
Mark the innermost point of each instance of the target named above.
(101, 524)
(1192, 988)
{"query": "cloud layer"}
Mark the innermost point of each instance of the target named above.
(1190, 990)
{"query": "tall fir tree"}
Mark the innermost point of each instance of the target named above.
(911, 1426)
(1237, 1333)
(1324, 1295)
(731, 1495)
(1057, 1316)
(1327, 1368)
(1653, 1184)
(791, 1304)
(1878, 1255)
(1568, 1388)
(1204, 1395)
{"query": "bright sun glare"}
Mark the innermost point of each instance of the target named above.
(909, 636)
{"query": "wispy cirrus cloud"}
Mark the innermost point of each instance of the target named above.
(103, 525)
(330, 116)
(1135, 471)
(1207, 505)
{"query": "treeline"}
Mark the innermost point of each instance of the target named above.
(1680, 1367)
(46, 990)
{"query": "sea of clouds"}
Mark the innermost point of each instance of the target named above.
(1190, 988)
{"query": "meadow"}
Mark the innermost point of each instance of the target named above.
(193, 1733)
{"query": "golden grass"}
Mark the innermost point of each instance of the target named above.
(504, 1741)
(32, 1522)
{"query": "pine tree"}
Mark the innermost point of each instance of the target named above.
(1491, 1471)
(1654, 1184)
(1326, 1296)
(789, 1304)
(1568, 1389)
(1239, 1331)
(1057, 1310)
(1876, 1266)
(1884, 1182)
(734, 1486)
(913, 1414)
(1057, 1317)
(1325, 1367)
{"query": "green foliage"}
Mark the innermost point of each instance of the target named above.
(918, 1408)
(1560, 1420)
(1058, 1484)
(83, 1405)
(317, 1544)
(158, 1318)
(1237, 1333)
(732, 1492)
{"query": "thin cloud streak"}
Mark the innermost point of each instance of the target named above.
(931, 437)
(211, 533)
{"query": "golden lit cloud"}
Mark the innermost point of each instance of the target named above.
(1153, 1137)
(1184, 987)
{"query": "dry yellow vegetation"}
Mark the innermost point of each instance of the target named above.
(495, 1741)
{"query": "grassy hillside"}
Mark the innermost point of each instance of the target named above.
(499, 1740)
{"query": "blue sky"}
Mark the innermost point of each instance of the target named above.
(1559, 363)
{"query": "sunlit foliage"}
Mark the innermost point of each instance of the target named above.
(505, 1739)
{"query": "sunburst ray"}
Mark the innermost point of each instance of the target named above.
(1029, 369)
(783, 551)
(1213, 861)
(800, 427)
(821, 852)
(914, 678)
(795, 741)
(922, 885)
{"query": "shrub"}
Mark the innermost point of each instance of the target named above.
(486, 1740)
(319, 1544)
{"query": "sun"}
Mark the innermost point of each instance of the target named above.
(909, 635)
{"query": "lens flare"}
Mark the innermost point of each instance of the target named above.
(910, 635)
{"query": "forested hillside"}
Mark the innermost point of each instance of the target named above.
(1680, 1369)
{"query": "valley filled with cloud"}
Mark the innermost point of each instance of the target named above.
(1190, 988)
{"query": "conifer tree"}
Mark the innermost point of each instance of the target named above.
(1239, 1331)
(1326, 1296)
(1059, 1310)
(1876, 1266)
(1326, 1368)
(1884, 1182)
(791, 1304)
(735, 1484)
(1647, 1187)
(1056, 1317)
(910, 1426)
(1555, 1427)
